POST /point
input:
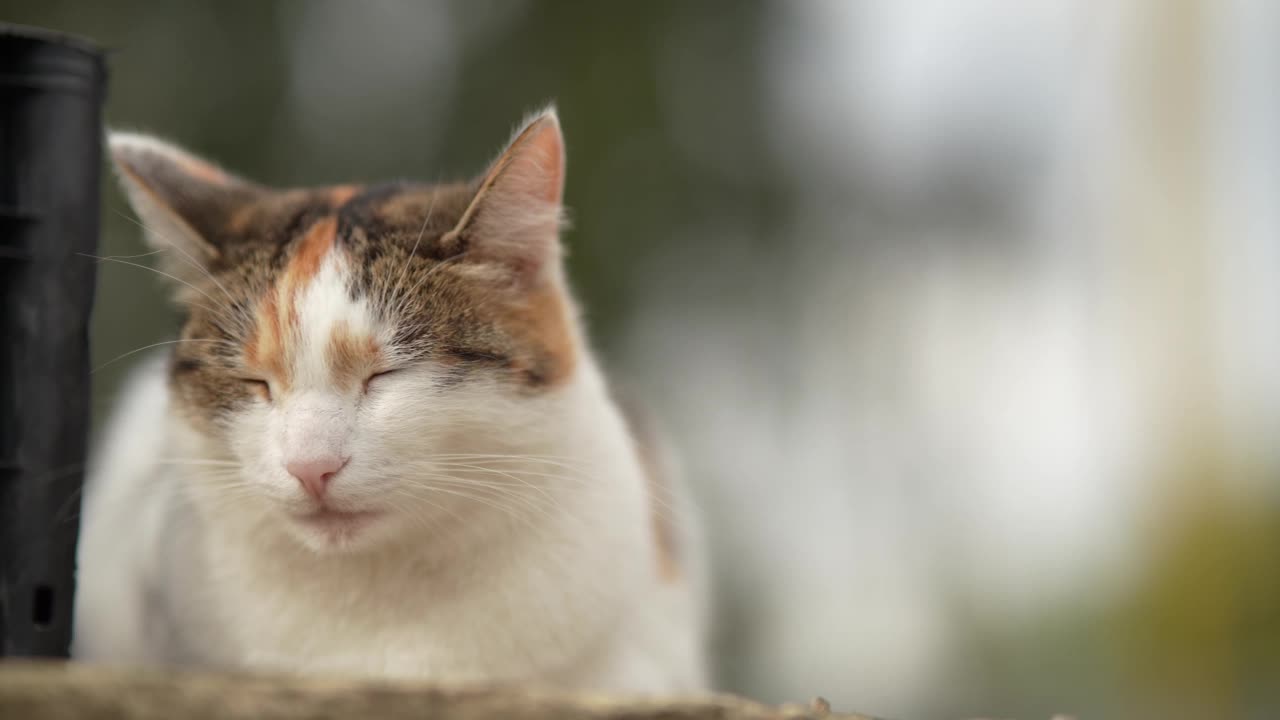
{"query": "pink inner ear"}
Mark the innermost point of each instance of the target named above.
(201, 170)
(515, 215)
(154, 163)
(533, 165)
(546, 149)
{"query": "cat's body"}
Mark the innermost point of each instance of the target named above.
(381, 447)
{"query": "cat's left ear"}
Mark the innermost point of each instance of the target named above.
(515, 217)
(184, 203)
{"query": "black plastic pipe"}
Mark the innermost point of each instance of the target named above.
(51, 93)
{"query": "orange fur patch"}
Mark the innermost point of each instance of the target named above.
(201, 170)
(314, 246)
(664, 531)
(352, 357)
(545, 322)
(242, 219)
(657, 469)
(265, 351)
(662, 504)
(277, 314)
(339, 194)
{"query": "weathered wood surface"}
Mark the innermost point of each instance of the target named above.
(52, 691)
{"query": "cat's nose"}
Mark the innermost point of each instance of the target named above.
(315, 473)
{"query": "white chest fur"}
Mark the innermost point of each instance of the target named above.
(564, 593)
(516, 603)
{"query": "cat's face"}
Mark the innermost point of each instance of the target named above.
(342, 344)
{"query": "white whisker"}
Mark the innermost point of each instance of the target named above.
(155, 345)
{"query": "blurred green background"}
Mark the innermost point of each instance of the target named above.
(964, 314)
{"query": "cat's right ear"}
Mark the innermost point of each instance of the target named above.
(184, 203)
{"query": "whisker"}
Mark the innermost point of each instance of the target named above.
(154, 345)
(664, 509)
(484, 501)
(435, 505)
(405, 297)
(165, 274)
(545, 506)
(178, 247)
(421, 231)
(132, 257)
(503, 473)
(198, 461)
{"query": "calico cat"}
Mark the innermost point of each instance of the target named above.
(381, 446)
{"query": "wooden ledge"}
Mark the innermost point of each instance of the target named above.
(52, 691)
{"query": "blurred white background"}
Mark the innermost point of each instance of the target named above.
(963, 313)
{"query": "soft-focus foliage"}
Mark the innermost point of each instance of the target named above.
(964, 313)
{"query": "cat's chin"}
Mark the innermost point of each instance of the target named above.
(331, 531)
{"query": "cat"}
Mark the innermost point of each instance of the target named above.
(381, 446)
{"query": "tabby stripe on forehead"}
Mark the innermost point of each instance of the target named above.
(311, 251)
(265, 350)
(278, 311)
(351, 357)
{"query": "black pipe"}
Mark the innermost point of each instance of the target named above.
(51, 93)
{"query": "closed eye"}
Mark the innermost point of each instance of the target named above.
(379, 374)
(258, 387)
(475, 356)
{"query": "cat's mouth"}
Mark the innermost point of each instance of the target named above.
(330, 520)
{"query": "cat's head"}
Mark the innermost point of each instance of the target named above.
(342, 343)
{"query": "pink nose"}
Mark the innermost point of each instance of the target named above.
(315, 473)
